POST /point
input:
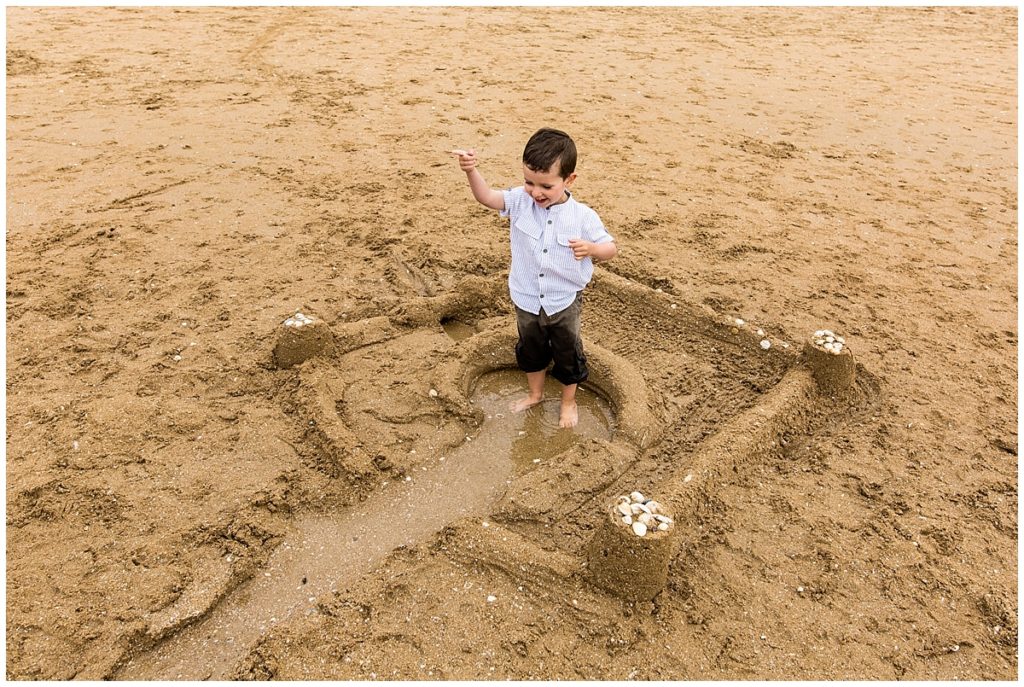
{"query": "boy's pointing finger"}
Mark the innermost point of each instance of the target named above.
(460, 153)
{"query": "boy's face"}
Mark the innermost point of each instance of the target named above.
(547, 188)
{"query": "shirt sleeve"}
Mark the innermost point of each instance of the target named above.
(594, 229)
(513, 199)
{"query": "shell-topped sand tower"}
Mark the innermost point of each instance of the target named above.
(831, 361)
(299, 338)
(631, 550)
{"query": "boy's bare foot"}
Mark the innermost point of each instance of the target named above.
(524, 403)
(569, 415)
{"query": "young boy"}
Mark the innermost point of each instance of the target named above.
(555, 242)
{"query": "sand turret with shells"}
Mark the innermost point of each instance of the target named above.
(299, 338)
(632, 547)
(831, 361)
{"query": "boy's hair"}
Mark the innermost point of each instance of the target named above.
(548, 146)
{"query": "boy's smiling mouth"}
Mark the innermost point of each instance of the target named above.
(546, 188)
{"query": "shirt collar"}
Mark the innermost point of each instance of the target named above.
(568, 200)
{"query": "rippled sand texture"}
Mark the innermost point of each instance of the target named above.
(182, 180)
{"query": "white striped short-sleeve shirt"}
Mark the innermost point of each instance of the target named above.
(544, 272)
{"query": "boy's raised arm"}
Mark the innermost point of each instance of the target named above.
(481, 191)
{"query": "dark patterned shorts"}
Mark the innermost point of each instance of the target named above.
(543, 339)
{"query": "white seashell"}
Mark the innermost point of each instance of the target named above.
(837, 347)
(289, 322)
(298, 323)
(662, 518)
(766, 344)
(625, 499)
(663, 526)
(654, 506)
(760, 332)
(627, 519)
(829, 332)
(433, 393)
(647, 519)
(639, 529)
(828, 347)
(624, 509)
(739, 322)
(299, 316)
(636, 508)
(830, 339)
(637, 497)
(840, 339)
(820, 333)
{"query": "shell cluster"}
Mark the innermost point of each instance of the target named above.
(298, 320)
(642, 514)
(829, 341)
(763, 339)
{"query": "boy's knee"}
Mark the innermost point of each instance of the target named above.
(575, 375)
(570, 365)
(531, 358)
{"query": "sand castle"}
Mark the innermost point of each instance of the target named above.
(629, 553)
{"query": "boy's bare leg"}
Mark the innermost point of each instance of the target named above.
(535, 382)
(569, 415)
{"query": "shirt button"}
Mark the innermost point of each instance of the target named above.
(549, 221)
(545, 250)
(542, 295)
(542, 274)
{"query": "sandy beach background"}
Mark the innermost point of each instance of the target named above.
(181, 180)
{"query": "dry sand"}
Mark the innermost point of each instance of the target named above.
(180, 181)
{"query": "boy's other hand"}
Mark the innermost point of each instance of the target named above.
(467, 159)
(580, 248)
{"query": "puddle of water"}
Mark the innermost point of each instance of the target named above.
(536, 435)
(328, 552)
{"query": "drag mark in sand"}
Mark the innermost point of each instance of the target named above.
(123, 202)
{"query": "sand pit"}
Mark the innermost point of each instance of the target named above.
(195, 488)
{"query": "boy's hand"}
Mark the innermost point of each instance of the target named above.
(580, 248)
(598, 252)
(467, 159)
